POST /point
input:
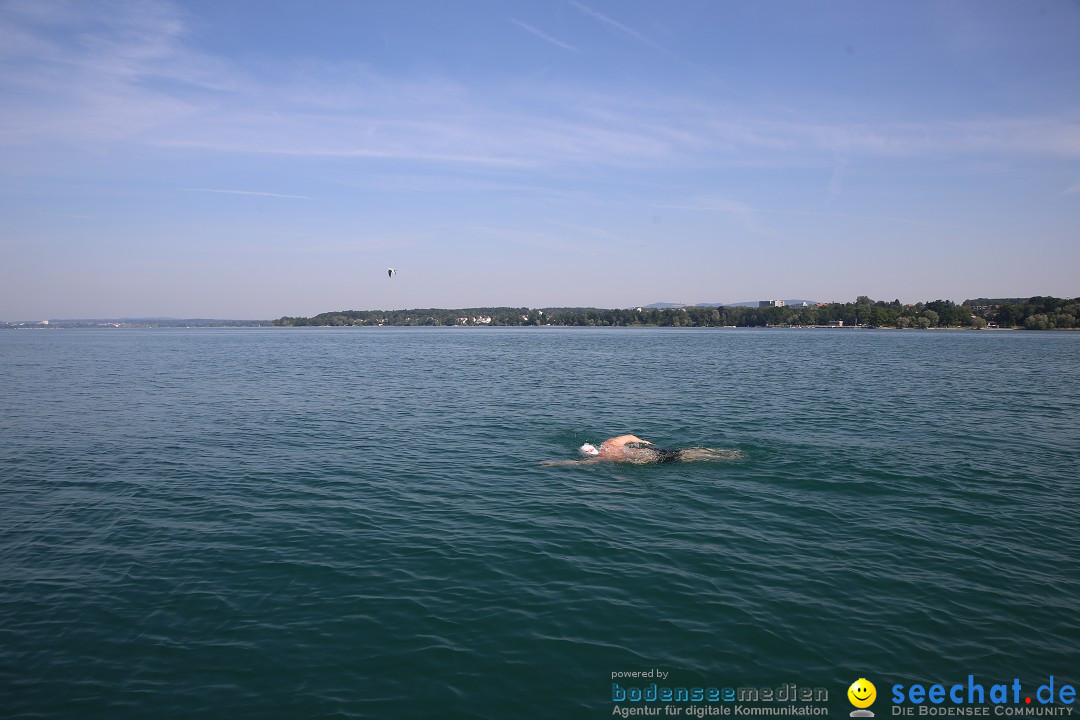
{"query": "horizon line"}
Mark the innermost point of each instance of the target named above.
(650, 306)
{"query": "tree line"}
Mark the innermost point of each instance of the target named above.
(1035, 313)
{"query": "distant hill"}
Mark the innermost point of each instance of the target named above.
(1039, 313)
(745, 303)
(754, 303)
(997, 301)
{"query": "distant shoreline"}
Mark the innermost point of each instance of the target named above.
(1035, 313)
(271, 326)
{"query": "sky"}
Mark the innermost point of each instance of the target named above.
(253, 159)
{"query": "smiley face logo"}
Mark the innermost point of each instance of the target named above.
(862, 693)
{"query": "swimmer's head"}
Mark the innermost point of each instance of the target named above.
(588, 449)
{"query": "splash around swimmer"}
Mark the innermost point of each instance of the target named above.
(634, 450)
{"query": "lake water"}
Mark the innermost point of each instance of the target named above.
(355, 523)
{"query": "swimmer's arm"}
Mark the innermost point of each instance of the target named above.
(551, 463)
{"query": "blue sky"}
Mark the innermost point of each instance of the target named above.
(242, 159)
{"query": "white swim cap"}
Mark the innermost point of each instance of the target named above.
(588, 449)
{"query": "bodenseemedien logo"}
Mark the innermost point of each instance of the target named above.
(662, 695)
(862, 694)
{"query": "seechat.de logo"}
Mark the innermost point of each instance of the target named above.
(862, 694)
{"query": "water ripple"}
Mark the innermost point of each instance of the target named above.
(357, 524)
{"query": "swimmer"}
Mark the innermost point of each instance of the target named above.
(632, 449)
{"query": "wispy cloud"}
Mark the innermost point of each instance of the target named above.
(593, 231)
(248, 192)
(1074, 189)
(343, 246)
(543, 35)
(835, 188)
(642, 38)
(110, 77)
(532, 237)
(851, 216)
(745, 211)
(70, 215)
(616, 25)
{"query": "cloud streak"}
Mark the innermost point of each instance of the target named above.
(69, 215)
(131, 80)
(746, 215)
(743, 210)
(543, 35)
(616, 25)
(248, 192)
